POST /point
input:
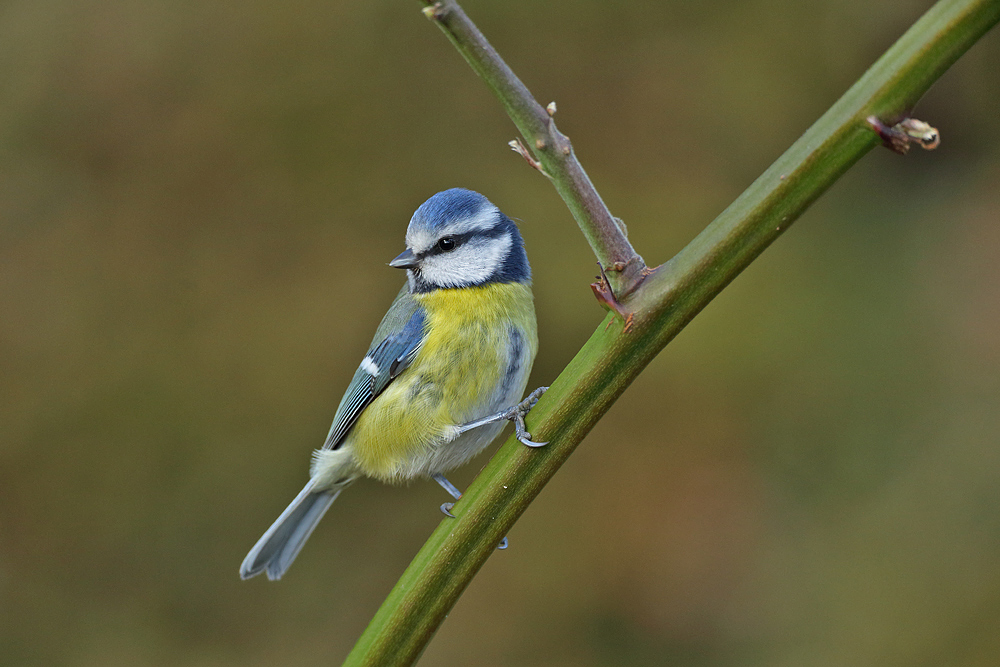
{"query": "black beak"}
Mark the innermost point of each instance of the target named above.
(405, 260)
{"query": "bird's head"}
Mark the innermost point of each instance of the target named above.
(457, 238)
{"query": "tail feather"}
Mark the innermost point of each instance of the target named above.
(275, 551)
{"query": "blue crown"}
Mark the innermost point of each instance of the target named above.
(449, 206)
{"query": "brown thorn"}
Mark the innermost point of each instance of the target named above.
(519, 148)
(605, 296)
(894, 141)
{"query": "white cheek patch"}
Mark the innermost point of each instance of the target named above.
(469, 264)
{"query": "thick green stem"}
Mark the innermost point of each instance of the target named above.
(663, 304)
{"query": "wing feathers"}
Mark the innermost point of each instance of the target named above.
(383, 363)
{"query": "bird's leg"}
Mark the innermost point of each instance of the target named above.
(456, 494)
(452, 491)
(515, 414)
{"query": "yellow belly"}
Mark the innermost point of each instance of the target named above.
(454, 379)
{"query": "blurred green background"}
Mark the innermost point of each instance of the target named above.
(197, 202)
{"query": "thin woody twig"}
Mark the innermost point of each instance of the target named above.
(551, 150)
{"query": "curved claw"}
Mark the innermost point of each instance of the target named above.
(519, 411)
(503, 544)
(526, 440)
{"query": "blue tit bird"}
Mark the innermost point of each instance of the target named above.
(447, 366)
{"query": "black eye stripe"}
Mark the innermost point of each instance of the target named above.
(462, 239)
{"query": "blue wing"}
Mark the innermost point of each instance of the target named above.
(389, 355)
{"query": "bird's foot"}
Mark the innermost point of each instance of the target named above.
(517, 413)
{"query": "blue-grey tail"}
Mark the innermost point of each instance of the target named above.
(275, 551)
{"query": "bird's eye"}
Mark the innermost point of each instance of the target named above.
(447, 244)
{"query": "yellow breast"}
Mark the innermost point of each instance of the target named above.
(453, 379)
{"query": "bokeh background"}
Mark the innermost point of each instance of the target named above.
(197, 202)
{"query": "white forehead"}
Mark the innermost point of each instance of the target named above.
(420, 237)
